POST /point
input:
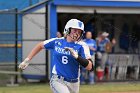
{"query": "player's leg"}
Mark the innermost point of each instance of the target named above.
(99, 66)
(73, 87)
(104, 59)
(58, 86)
(104, 65)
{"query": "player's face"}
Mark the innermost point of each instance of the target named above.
(75, 34)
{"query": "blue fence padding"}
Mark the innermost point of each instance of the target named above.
(8, 55)
(20, 4)
(7, 36)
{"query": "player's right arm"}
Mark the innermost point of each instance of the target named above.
(33, 52)
(48, 44)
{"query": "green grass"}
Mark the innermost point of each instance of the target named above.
(110, 88)
(97, 88)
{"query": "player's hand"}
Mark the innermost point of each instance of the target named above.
(24, 64)
(73, 52)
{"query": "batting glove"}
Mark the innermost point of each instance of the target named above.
(73, 52)
(24, 64)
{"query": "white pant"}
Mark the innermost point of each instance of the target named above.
(93, 59)
(104, 60)
(60, 86)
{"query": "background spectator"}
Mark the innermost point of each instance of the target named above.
(103, 47)
(92, 46)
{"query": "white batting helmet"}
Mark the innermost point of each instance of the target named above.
(73, 23)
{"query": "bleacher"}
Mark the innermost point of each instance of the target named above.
(124, 66)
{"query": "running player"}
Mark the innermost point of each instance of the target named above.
(69, 54)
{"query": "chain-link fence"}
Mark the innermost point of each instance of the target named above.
(15, 46)
(10, 48)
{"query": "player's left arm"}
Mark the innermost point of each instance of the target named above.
(84, 58)
(34, 51)
(90, 65)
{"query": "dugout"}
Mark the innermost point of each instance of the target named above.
(43, 20)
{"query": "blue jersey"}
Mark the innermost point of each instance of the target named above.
(64, 63)
(102, 44)
(91, 43)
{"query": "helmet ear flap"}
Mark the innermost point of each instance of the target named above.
(67, 31)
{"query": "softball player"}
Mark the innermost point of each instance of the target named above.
(69, 54)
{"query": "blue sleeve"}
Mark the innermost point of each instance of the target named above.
(49, 44)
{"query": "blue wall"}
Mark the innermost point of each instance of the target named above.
(7, 22)
(98, 3)
(20, 4)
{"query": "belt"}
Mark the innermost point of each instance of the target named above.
(68, 80)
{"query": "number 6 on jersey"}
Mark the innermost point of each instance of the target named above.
(64, 59)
